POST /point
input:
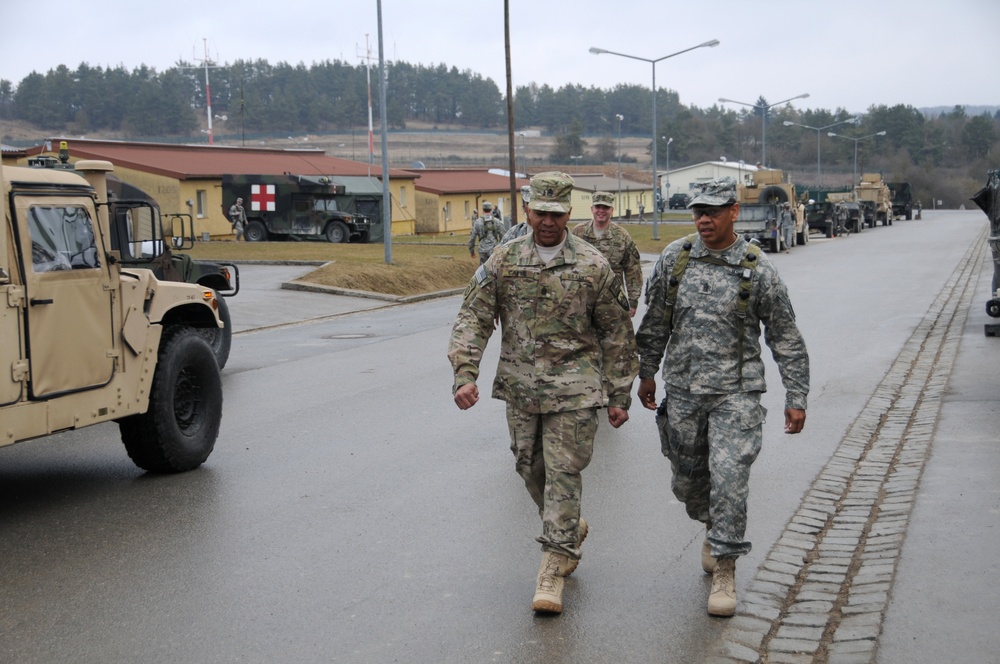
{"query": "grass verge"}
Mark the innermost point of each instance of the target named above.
(420, 264)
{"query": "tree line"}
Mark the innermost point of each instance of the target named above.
(332, 96)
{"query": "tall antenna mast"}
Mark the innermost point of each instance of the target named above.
(207, 63)
(367, 57)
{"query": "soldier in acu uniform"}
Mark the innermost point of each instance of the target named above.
(707, 297)
(567, 350)
(488, 230)
(615, 244)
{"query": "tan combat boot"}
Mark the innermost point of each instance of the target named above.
(571, 564)
(549, 588)
(707, 559)
(722, 600)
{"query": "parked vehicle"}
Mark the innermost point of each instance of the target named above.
(679, 201)
(901, 194)
(875, 199)
(282, 206)
(758, 222)
(88, 340)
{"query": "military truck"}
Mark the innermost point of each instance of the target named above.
(138, 234)
(770, 186)
(855, 218)
(875, 199)
(758, 222)
(87, 340)
(901, 195)
(281, 206)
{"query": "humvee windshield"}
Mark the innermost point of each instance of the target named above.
(62, 238)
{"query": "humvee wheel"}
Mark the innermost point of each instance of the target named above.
(220, 339)
(178, 431)
(255, 232)
(336, 231)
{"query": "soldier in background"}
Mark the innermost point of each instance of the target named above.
(786, 226)
(238, 218)
(488, 230)
(615, 244)
(711, 418)
(521, 228)
(565, 353)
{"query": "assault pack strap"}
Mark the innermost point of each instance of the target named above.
(747, 266)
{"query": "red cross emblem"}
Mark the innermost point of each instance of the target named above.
(262, 198)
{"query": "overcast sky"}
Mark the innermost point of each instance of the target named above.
(844, 53)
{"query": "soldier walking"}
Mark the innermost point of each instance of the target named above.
(567, 350)
(707, 297)
(615, 244)
(238, 218)
(488, 230)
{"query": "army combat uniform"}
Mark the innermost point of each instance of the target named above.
(489, 231)
(567, 349)
(619, 248)
(710, 421)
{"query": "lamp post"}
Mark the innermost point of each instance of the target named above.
(619, 117)
(763, 119)
(576, 159)
(854, 183)
(664, 199)
(653, 61)
(819, 170)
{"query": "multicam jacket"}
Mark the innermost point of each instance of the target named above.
(620, 250)
(489, 231)
(567, 340)
(701, 349)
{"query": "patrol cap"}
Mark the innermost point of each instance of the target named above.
(551, 191)
(487, 206)
(602, 198)
(720, 191)
(526, 193)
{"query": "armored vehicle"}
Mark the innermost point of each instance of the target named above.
(88, 340)
(758, 222)
(281, 206)
(771, 187)
(140, 236)
(901, 195)
(875, 199)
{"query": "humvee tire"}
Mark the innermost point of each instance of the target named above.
(220, 339)
(255, 232)
(178, 431)
(337, 231)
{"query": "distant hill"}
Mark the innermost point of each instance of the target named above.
(971, 111)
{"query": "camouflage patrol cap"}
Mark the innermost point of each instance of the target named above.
(551, 191)
(526, 193)
(720, 191)
(603, 198)
(487, 206)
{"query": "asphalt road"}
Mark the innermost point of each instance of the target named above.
(351, 513)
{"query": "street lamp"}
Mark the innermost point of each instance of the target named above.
(819, 171)
(652, 61)
(662, 201)
(763, 119)
(856, 141)
(619, 117)
(576, 159)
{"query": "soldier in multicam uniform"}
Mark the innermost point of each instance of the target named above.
(710, 420)
(488, 230)
(567, 350)
(615, 243)
(520, 229)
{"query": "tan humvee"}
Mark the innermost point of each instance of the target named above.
(87, 341)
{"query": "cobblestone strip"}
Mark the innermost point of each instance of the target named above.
(822, 591)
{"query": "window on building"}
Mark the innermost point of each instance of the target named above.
(402, 197)
(447, 211)
(202, 210)
(467, 210)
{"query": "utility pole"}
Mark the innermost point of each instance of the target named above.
(371, 132)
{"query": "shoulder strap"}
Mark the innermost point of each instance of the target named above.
(747, 268)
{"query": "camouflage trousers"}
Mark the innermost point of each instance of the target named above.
(711, 442)
(550, 451)
(485, 256)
